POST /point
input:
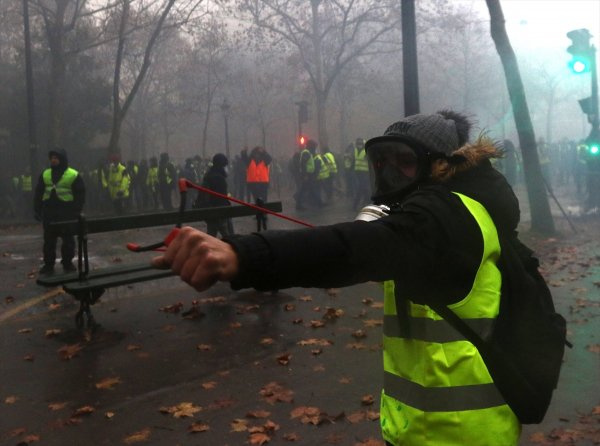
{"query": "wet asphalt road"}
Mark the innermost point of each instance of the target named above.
(161, 344)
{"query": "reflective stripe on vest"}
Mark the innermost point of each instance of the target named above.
(360, 160)
(324, 170)
(257, 172)
(26, 183)
(437, 389)
(63, 189)
(330, 160)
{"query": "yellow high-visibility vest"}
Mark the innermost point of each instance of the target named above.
(437, 389)
(63, 189)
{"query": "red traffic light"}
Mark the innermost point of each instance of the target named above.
(302, 140)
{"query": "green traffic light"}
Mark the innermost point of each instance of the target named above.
(594, 149)
(579, 65)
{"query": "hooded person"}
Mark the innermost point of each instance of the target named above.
(441, 206)
(215, 179)
(167, 180)
(59, 196)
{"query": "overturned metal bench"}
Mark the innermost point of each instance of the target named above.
(87, 285)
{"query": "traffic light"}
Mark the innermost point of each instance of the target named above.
(302, 141)
(580, 50)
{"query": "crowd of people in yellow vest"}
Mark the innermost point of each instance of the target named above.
(317, 177)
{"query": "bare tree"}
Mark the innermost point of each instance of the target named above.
(67, 25)
(325, 35)
(541, 218)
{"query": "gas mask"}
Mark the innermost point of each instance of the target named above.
(394, 167)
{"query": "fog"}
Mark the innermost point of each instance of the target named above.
(243, 66)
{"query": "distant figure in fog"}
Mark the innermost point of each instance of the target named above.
(59, 196)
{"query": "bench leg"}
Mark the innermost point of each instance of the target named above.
(84, 315)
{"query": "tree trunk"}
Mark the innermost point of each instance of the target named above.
(541, 217)
(120, 111)
(56, 32)
(318, 82)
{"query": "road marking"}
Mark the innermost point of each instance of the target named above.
(31, 302)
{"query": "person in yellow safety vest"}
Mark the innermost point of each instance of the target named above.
(258, 172)
(349, 170)
(59, 196)
(361, 175)
(152, 182)
(118, 182)
(167, 181)
(432, 238)
(330, 182)
(26, 192)
(308, 192)
(322, 175)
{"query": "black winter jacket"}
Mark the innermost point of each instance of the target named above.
(430, 244)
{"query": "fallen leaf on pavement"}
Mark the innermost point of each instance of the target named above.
(51, 332)
(67, 352)
(594, 348)
(11, 399)
(359, 334)
(198, 427)
(108, 383)
(284, 358)
(317, 324)
(307, 415)
(138, 436)
(333, 313)
(367, 400)
(109, 415)
(133, 347)
(267, 341)
(274, 392)
(239, 425)
(17, 432)
(57, 406)
(209, 385)
(175, 308)
(259, 438)
(181, 410)
(25, 330)
(292, 436)
(314, 341)
(83, 410)
(356, 417)
(31, 439)
(204, 347)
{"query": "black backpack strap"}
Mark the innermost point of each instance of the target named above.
(460, 325)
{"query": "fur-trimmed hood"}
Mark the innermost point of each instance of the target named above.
(469, 171)
(465, 158)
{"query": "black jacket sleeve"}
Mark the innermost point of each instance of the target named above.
(78, 187)
(429, 256)
(37, 196)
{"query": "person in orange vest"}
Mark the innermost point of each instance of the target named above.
(258, 166)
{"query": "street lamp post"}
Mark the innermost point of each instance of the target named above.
(225, 108)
